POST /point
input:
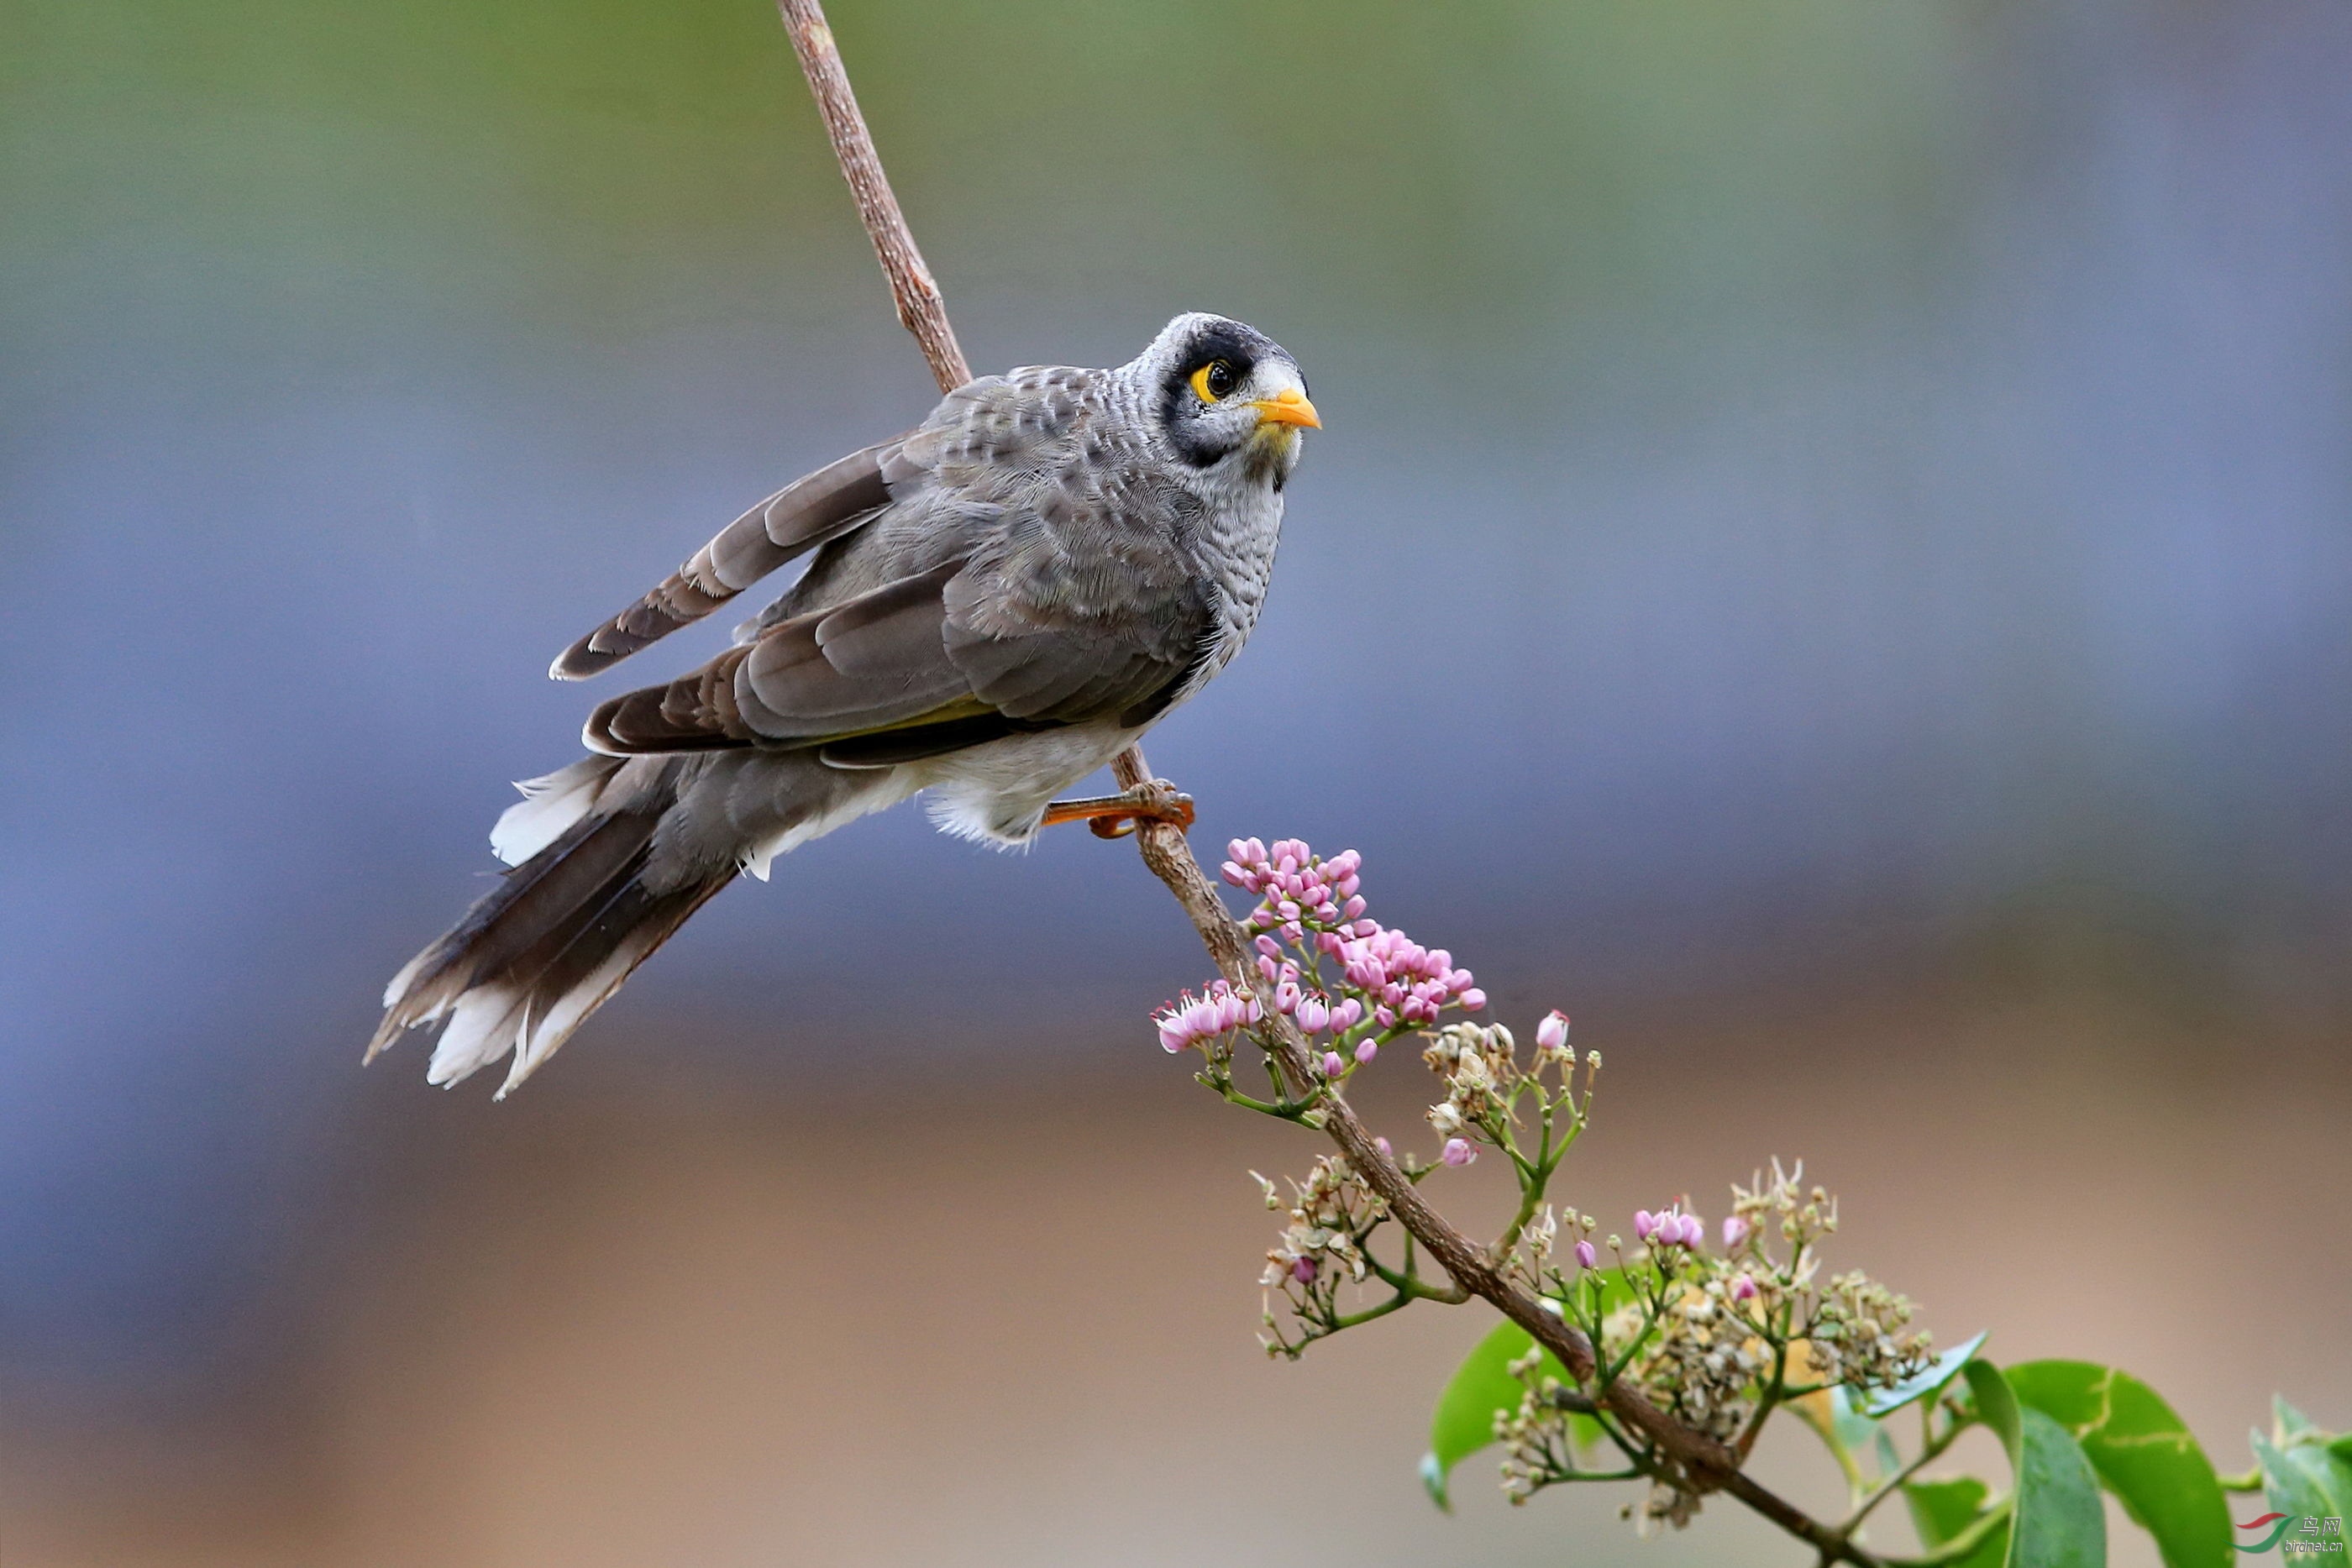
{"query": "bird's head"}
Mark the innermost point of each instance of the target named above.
(1226, 395)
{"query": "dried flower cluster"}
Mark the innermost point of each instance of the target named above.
(1332, 1214)
(1720, 1339)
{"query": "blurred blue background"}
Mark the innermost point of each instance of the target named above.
(1829, 557)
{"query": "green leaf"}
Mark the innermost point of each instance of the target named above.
(2056, 1520)
(2291, 1488)
(1882, 1402)
(1941, 1509)
(1996, 1402)
(1463, 1421)
(2142, 1451)
(2327, 1460)
(2059, 1521)
(2333, 1476)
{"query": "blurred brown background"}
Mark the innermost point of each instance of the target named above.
(1829, 560)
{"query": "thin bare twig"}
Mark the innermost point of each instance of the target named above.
(1695, 1458)
(920, 309)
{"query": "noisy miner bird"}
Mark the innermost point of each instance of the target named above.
(1000, 601)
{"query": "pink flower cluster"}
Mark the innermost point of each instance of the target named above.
(1672, 1228)
(1317, 904)
(1190, 1020)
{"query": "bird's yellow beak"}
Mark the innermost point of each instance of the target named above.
(1288, 407)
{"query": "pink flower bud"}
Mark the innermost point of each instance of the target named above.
(1458, 1152)
(1385, 1018)
(1353, 907)
(1313, 1014)
(1332, 1065)
(1743, 1289)
(1474, 999)
(1585, 1256)
(1367, 1049)
(1303, 1271)
(1346, 885)
(1269, 947)
(1646, 1224)
(1366, 927)
(1734, 1231)
(1268, 968)
(1382, 1145)
(1694, 1231)
(1552, 1033)
(1347, 1014)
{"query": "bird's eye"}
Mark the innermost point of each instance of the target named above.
(1215, 380)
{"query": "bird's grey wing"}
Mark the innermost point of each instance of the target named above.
(1025, 575)
(801, 515)
(901, 672)
(953, 479)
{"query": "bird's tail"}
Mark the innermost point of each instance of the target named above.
(531, 959)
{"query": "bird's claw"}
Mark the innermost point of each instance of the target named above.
(1116, 816)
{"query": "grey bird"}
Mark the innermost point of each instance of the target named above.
(998, 601)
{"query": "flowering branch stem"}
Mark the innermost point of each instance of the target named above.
(1701, 1458)
(1698, 1458)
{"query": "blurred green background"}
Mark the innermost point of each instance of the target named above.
(1830, 557)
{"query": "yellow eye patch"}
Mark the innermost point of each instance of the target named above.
(1213, 382)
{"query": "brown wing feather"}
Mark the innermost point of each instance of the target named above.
(801, 515)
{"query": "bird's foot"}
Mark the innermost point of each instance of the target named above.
(1116, 816)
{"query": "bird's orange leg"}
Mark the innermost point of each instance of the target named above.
(1116, 816)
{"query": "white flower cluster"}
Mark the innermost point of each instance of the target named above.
(1535, 1437)
(1479, 1065)
(1856, 1335)
(1330, 1214)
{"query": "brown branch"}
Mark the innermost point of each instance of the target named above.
(1691, 1455)
(920, 309)
(1695, 1456)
